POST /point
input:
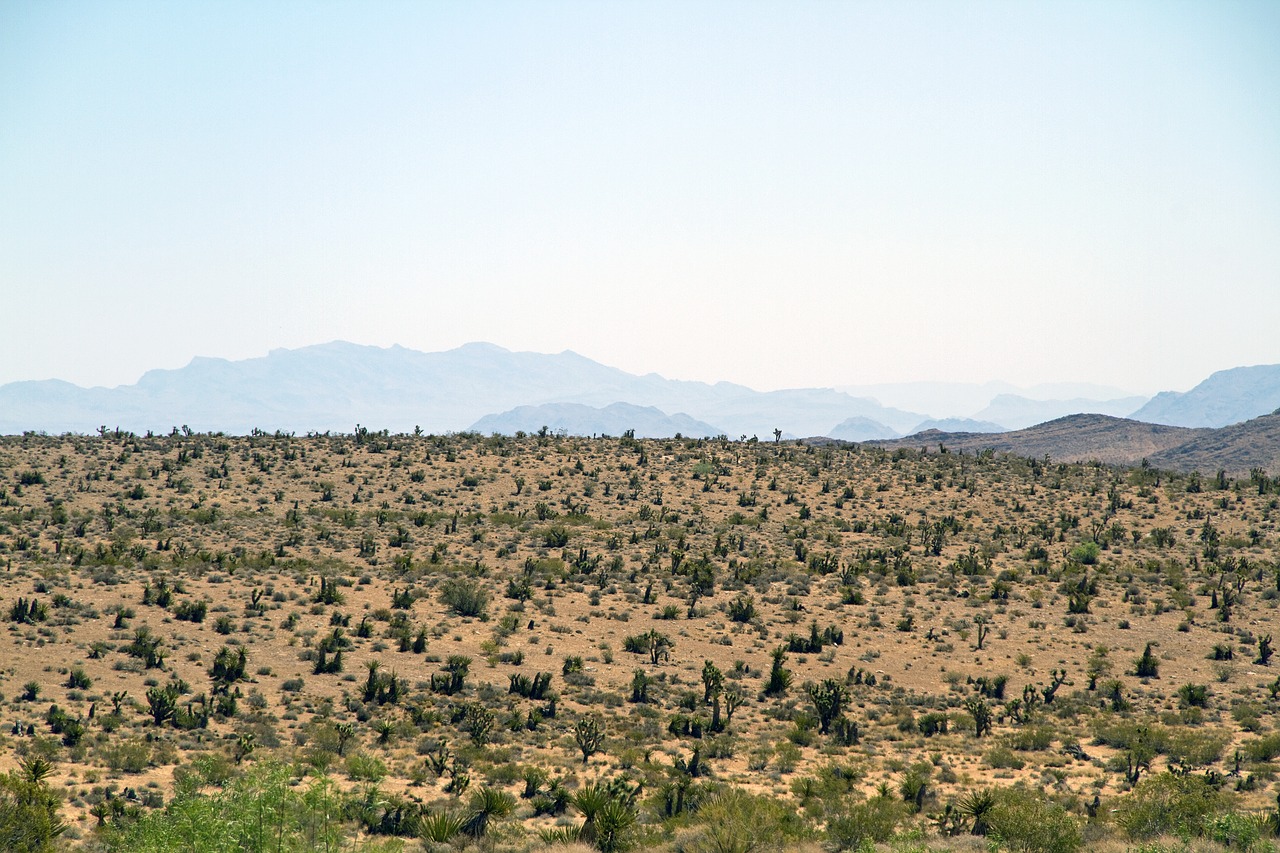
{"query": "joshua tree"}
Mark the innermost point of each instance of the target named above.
(829, 697)
(660, 646)
(983, 627)
(981, 713)
(588, 733)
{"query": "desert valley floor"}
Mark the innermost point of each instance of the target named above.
(845, 645)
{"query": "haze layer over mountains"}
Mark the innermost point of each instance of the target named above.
(482, 387)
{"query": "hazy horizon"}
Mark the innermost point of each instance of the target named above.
(1063, 388)
(776, 195)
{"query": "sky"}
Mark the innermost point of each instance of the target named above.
(789, 194)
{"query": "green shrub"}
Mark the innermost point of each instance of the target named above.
(868, 822)
(464, 596)
(1238, 831)
(365, 768)
(28, 809)
(1086, 553)
(1165, 804)
(1032, 739)
(1022, 820)
(1264, 748)
(1003, 758)
(127, 756)
(736, 820)
(1197, 748)
(261, 810)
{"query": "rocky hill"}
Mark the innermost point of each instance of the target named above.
(1073, 438)
(1236, 449)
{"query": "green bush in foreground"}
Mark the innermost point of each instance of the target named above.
(1022, 820)
(257, 811)
(1166, 804)
(28, 810)
(267, 808)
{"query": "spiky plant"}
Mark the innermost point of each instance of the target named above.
(975, 806)
(441, 827)
(487, 805)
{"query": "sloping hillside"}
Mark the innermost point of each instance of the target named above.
(1236, 449)
(1115, 441)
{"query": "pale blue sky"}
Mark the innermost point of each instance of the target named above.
(778, 194)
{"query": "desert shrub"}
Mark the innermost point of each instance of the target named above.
(1194, 695)
(28, 612)
(465, 596)
(1264, 748)
(1086, 553)
(1147, 666)
(191, 611)
(555, 536)
(28, 810)
(864, 823)
(229, 665)
(933, 723)
(1237, 831)
(742, 609)
(146, 646)
(1032, 739)
(1003, 758)
(127, 756)
(736, 820)
(1022, 820)
(1193, 748)
(1166, 804)
(210, 769)
(261, 810)
(365, 768)
(1125, 734)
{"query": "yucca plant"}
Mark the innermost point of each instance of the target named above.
(612, 823)
(560, 835)
(441, 827)
(975, 806)
(487, 805)
(590, 800)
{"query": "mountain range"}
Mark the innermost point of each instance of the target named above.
(483, 387)
(1226, 397)
(334, 386)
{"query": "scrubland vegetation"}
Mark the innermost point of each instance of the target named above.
(386, 642)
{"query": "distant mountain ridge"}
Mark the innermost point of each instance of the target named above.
(1015, 411)
(1226, 397)
(578, 419)
(483, 387)
(969, 399)
(331, 387)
